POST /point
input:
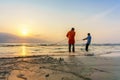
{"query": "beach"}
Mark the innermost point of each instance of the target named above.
(69, 67)
(41, 62)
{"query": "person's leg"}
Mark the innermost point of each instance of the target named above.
(86, 48)
(73, 48)
(69, 47)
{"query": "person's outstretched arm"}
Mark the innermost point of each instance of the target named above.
(85, 38)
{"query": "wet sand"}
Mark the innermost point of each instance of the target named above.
(71, 67)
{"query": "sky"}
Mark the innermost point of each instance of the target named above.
(52, 19)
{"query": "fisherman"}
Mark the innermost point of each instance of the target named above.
(71, 40)
(88, 38)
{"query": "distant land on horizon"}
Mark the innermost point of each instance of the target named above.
(11, 38)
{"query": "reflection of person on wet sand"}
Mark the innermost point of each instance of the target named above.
(71, 39)
(88, 38)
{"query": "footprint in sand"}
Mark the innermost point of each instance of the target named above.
(22, 76)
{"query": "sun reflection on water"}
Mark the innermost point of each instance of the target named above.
(24, 52)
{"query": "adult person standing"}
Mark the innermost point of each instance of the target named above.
(71, 39)
(88, 38)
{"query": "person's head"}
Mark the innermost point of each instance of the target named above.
(72, 29)
(88, 34)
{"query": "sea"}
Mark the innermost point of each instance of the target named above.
(34, 49)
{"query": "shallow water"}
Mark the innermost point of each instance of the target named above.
(26, 49)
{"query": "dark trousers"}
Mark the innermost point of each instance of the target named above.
(73, 47)
(86, 47)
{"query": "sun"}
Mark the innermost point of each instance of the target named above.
(24, 32)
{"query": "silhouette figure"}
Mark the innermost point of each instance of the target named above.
(71, 40)
(88, 38)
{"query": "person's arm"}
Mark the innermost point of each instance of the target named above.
(67, 34)
(85, 38)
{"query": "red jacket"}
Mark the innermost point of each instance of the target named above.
(71, 37)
